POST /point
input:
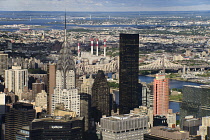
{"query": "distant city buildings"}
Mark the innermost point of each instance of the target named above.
(129, 89)
(77, 96)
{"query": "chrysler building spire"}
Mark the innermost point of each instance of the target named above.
(65, 30)
(65, 91)
(65, 61)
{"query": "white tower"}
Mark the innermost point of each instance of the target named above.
(96, 47)
(65, 91)
(78, 51)
(104, 47)
(91, 46)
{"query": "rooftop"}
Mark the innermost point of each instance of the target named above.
(123, 117)
(58, 119)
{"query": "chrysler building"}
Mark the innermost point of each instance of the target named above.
(65, 91)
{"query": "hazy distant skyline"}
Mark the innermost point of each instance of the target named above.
(104, 5)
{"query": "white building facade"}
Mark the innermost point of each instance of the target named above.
(124, 127)
(16, 79)
(65, 91)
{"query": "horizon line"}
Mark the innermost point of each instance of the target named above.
(108, 11)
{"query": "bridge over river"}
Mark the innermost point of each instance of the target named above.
(113, 66)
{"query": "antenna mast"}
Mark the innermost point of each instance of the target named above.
(65, 28)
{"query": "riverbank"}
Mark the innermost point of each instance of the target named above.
(189, 80)
(175, 101)
(181, 79)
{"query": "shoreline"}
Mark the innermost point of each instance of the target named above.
(175, 101)
(152, 75)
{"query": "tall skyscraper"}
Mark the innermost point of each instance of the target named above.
(85, 109)
(101, 97)
(51, 85)
(16, 79)
(65, 91)
(129, 91)
(20, 115)
(161, 95)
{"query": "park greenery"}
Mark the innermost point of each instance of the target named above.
(176, 89)
(172, 75)
(176, 97)
(113, 85)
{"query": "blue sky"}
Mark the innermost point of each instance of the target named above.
(104, 5)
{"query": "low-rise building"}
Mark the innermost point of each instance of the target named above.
(57, 127)
(166, 133)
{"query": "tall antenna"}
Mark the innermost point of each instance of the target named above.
(65, 28)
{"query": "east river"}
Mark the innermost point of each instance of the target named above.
(172, 84)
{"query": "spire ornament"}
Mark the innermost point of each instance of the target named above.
(65, 60)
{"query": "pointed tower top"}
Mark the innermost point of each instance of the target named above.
(65, 29)
(65, 60)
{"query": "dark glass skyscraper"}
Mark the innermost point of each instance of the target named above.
(196, 102)
(101, 98)
(20, 115)
(129, 92)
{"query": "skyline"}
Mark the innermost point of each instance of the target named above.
(104, 5)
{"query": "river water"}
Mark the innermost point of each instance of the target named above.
(172, 83)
